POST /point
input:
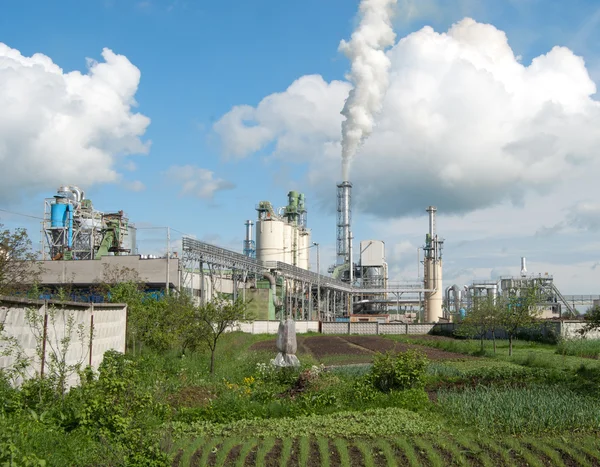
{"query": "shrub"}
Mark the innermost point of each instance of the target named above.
(400, 371)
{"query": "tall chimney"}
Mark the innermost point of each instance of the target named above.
(344, 219)
(523, 266)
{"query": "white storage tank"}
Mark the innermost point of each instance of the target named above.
(269, 240)
(288, 243)
(304, 249)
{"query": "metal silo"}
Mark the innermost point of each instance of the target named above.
(289, 243)
(304, 245)
(269, 240)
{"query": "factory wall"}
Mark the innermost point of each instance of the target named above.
(85, 272)
(108, 322)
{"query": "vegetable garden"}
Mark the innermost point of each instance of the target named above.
(356, 400)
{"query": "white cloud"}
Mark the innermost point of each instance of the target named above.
(304, 117)
(59, 127)
(464, 125)
(197, 182)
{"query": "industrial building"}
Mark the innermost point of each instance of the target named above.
(84, 246)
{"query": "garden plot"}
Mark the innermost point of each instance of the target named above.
(355, 349)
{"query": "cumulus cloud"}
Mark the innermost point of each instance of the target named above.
(197, 182)
(464, 125)
(64, 127)
(303, 118)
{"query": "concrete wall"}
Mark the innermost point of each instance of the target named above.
(570, 330)
(271, 327)
(49, 318)
(546, 330)
(329, 327)
(151, 271)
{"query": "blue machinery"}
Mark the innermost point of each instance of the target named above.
(73, 229)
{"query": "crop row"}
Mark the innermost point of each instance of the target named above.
(462, 449)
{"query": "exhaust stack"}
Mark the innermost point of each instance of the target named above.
(344, 219)
(523, 266)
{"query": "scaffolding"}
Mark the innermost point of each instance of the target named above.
(303, 288)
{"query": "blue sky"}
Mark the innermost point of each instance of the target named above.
(199, 60)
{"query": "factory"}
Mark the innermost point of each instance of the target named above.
(83, 246)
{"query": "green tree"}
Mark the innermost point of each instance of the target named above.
(19, 265)
(518, 310)
(481, 318)
(592, 320)
(216, 317)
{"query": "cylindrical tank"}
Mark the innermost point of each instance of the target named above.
(288, 243)
(269, 240)
(130, 240)
(58, 215)
(293, 200)
(433, 300)
(304, 249)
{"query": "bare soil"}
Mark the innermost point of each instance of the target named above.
(273, 457)
(233, 455)
(334, 455)
(356, 348)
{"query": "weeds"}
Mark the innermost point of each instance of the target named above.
(587, 348)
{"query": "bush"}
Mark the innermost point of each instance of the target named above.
(400, 371)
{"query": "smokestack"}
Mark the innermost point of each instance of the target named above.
(523, 266)
(249, 225)
(344, 219)
(431, 210)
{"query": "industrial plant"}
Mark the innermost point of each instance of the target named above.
(273, 271)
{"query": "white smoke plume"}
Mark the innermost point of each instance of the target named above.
(464, 125)
(368, 74)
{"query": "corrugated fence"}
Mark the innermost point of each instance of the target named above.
(35, 328)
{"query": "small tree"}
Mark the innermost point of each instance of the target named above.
(216, 317)
(19, 265)
(480, 319)
(518, 310)
(592, 320)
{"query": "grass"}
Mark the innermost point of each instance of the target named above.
(526, 353)
(587, 348)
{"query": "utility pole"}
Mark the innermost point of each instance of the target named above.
(318, 283)
(168, 279)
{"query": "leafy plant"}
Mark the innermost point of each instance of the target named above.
(19, 265)
(403, 370)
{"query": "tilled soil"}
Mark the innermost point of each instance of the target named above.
(380, 344)
(359, 346)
